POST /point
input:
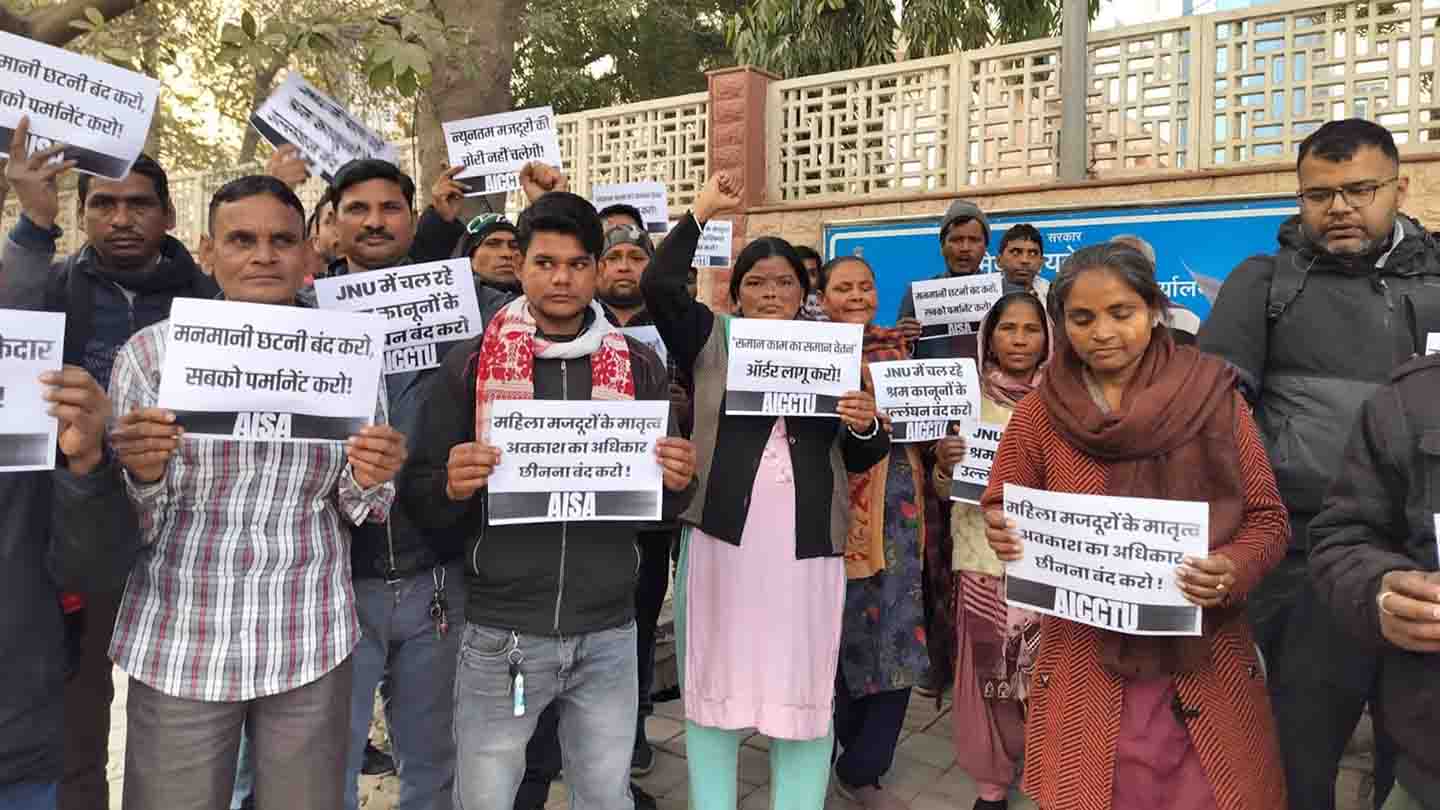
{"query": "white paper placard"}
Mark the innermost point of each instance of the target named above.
(31, 343)
(921, 396)
(955, 306)
(1432, 343)
(493, 148)
(576, 460)
(650, 336)
(649, 197)
(327, 135)
(791, 368)
(426, 306)
(256, 372)
(716, 244)
(1106, 561)
(100, 112)
(972, 475)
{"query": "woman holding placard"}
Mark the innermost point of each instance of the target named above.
(996, 644)
(1125, 721)
(883, 652)
(761, 583)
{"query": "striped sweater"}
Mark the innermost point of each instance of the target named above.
(1074, 713)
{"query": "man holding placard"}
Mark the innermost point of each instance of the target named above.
(406, 582)
(964, 238)
(122, 280)
(67, 527)
(550, 597)
(240, 609)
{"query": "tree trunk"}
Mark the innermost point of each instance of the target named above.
(51, 24)
(469, 80)
(264, 80)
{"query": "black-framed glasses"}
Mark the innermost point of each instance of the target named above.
(484, 221)
(1356, 195)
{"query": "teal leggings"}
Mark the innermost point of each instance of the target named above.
(799, 769)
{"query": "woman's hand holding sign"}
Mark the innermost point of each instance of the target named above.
(1001, 533)
(1206, 581)
(857, 411)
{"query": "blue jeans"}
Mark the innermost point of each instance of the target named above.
(29, 796)
(398, 638)
(591, 678)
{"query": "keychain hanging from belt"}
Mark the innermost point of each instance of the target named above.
(439, 610)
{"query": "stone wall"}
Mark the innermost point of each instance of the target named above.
(804, 224)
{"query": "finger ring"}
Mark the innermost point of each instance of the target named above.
(1380, 602)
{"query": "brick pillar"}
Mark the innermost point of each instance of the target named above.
(737, 144)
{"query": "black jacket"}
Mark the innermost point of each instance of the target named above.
(1380, 517)
(57, 531)
(1308, 369)
(543, 578)
(727, 477)
(100, 317)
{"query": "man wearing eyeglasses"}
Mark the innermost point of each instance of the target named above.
(1313, 330)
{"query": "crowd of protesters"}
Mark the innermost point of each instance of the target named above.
(258, 594)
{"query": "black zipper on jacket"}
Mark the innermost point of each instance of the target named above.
(564, 524)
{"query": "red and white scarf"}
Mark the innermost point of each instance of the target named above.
(506, 365)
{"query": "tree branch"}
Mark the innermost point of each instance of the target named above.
(51, 24)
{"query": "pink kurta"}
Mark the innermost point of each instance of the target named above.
(762, 629)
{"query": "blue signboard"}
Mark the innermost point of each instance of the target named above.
(1197, 244)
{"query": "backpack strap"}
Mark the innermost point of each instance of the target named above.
(1285, 285)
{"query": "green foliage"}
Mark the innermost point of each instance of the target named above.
(581, 54)
(798, 37)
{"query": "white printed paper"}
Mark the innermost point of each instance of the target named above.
(716, 244)
(493, 148)
(31, 343)
(257, 372)
(650, 336)
(576, 460)
(972, 474)
(327, 135)
(649, 198)
(921, 396)
(1106, 561)
(955, 306)
(101, 113)
(426, 306)
(791, 368)
(1432, 343)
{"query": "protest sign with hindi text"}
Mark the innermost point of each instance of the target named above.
(576, 460)
(101, 113)
(1106, 561)
(716, 245)
(326, 134)
(257, 372)
(922, 396)
(972, 474)
(493, 148)
(955, 306)
(790, 368)
(426, 307)
(31, 343)
(648, 198)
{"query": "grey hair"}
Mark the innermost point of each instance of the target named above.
(1120, 260)
(1146, 249)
